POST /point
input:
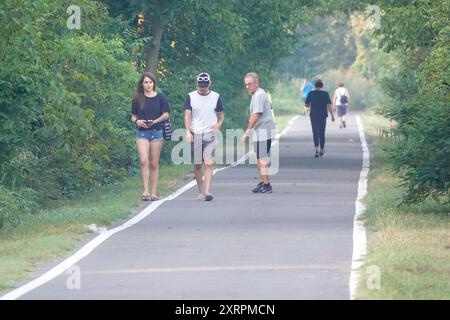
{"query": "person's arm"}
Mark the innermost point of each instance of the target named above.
(188, 119)
(218, 125)
(330, 107)
(138, 122)
(134, 115)
(164, 109)
(330, 110)
(219, 114)
(307, 108)
(162, 118)
(251, 123)
(307, 104)
(257, 110)
(187, 125)
(348, 96)
(334, 101)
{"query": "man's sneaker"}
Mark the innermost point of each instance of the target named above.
(321, 152)
(266, 188)
(258, 187)
(208, 197)
(316, 155)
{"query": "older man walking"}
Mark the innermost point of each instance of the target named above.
(262, 127)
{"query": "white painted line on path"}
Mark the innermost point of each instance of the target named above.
(359, 231)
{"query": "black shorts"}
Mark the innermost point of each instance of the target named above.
(262, 148)
(203, 147)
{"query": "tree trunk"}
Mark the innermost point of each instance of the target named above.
(156, 30)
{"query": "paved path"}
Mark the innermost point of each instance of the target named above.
(293, 244)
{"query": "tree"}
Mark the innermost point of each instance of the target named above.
(62, 99)
(326, 42)
(419, 31)
(225, 38)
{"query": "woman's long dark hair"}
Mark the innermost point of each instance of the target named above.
(139, 96)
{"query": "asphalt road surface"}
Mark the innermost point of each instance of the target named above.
(295, 243)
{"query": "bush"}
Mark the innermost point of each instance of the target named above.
(422, 110)
(14, 203)
(65, 99)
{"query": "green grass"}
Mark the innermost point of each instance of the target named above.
(409, 243)
(50, 234)
(282, 121)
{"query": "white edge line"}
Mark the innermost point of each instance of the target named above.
(91, 245)
(359, 231)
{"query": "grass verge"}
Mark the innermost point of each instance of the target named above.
(409, 244)
(49, 234)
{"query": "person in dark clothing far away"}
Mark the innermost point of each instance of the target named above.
(317, 105)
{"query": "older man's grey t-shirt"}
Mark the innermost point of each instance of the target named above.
(264, 128)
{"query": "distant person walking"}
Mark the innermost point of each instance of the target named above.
(306, 88)
(318, 104)
(262, 126)
(203, 117)
(148, 110)
(341, 102)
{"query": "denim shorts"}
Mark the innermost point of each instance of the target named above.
(150, 135)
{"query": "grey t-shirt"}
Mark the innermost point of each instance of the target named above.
(264, 128)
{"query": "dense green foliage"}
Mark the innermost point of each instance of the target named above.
(64, 100)
(420, 92)
(227, 39)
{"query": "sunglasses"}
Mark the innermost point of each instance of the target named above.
(203, 79)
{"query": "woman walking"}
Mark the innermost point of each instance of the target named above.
(148, 110)
(341, 100)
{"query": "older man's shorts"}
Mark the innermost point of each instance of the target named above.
(262, 149)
